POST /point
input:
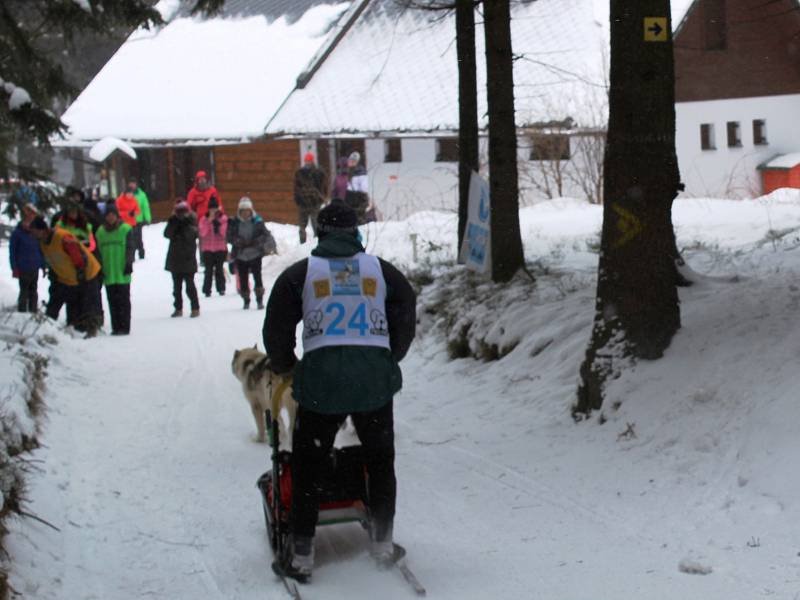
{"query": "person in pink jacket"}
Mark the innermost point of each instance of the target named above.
(213, 226)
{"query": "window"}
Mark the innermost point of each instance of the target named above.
(707, 140)
(392, 151)
(447, 150)
(760, 132)
(552, 146)
(734, 135)
(716, 27)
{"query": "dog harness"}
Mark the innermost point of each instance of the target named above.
(344, 303)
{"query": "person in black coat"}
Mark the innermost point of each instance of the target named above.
(181, 231)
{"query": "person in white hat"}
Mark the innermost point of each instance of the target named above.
(250, 242)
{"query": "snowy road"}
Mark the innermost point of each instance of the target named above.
(150, 470)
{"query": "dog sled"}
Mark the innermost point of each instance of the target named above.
(344, 496)
(343, 493)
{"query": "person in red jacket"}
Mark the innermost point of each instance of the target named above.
(128, 208)
(199, 196)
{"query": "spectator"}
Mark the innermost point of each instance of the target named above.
(117, 247)
(310, 186)
(75, 277)
(181, 231)
(250, 241)
(144, 217)
(26, 260)
(357, 195)
(128, 208)
(200, 195)
(213, 249)
(341, 180)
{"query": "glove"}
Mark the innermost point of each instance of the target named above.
(131, 213)
(128, 269)
(232, 267)
(15, 273)
(81, 275)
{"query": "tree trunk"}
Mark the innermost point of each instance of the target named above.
(506, 244)
(467, 107)
(637, 310)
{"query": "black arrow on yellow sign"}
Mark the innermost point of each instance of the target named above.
(655, 29)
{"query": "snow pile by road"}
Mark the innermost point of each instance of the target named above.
(27, 347)
(688, 490)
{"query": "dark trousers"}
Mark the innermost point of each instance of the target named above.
(28, 298)
(59, 295)
(178, 280)
(139, 239)
(214, 262)
(304, 215)
(89, 306)
(244, 268)
(313, 438)
(119, 305)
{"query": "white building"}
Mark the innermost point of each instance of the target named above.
(737, 93)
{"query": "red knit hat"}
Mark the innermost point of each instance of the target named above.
(200, 174)
(309, 157)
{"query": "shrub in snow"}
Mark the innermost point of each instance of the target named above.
(23, 369)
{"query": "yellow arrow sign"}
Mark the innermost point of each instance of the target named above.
(655, 29)
(628, 225)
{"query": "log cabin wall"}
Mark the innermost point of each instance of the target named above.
(264, 171)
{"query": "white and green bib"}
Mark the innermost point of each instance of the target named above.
(344, 303)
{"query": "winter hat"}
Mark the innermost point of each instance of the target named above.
(111, 208)
(308, 158)
(213, 203)
(39, 223)
(245, 204)
(337, 217)
(200, 174)
(182, 205)
(354, 157)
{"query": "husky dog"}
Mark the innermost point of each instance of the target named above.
(251, 367)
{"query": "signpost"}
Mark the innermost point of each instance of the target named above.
(655, 29)
(477, 245)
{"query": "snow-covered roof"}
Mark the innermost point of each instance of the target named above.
(396, 71)
(198, 78)
(782, 161)
(107, 146)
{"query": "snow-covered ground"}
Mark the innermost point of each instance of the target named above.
(149, 469)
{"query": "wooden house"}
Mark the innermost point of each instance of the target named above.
(197, 93)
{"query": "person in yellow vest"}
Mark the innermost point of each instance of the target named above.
(75, 271)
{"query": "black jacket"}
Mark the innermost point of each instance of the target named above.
(182, 252)
(310, 185)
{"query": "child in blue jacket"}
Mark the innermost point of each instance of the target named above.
(26, 260)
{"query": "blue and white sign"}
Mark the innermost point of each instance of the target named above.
(476, 249)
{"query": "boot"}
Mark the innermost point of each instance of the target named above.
(246, 301)
(195, 313)
(178, 312)
(260, 298)
(301, 564)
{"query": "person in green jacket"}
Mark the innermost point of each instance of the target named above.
(144, 217)
(359, 318)
(117, 246)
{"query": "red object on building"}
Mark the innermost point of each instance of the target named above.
(782, 171)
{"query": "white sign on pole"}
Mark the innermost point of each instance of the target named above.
(477, 245)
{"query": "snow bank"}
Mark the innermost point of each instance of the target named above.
(27, 343)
